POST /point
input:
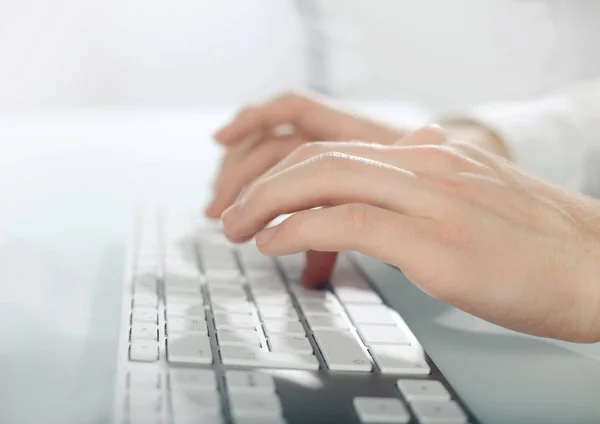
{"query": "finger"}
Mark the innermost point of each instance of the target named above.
(385, 235)
(285, 109)
(318, 268)
(242, 167)
(329, 179)
(427, 159)
(430, 134)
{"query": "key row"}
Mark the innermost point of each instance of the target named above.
(194, 394)
(429, 401)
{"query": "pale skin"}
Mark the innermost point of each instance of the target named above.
(463, 224)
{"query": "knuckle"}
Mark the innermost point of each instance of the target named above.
(290, 97)
(307, 150)
(359, 217)
(331, 163)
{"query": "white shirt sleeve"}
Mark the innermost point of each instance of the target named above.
(556, 137)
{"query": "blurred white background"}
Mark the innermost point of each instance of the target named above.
(441, 54)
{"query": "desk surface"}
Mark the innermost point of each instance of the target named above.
(68, 183)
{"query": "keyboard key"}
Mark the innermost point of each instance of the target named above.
(264, 277)
(381, 410)
(189, 349)
(310, 295)
(197, 379)
(417, 390)
(187, 310)
(273, 298)
(371, 314)
(147, 284)
(283, 327)
(143, 380)
(231, 292)
(293, 266)
(324, 322)
(144, 331)
(145, 401)
(145, 299)
(144, 417)
(225, 282)
(255, 404)
(321, 308)
(223, 321)
(382, 334)
(185, 298)
(358, 295)
(397, 359)
(242, 307)
(177, 324)
(243, 356)
(189, 403)
(143, 351)
(260, 420)
(249, 382)
(144, 316)
(341, 351)
(278, 312)
(438, 412)
(238, 337)
(291, 344)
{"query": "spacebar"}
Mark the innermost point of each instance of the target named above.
(248, 357)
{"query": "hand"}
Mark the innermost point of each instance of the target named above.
(465, 226)
(260, 136)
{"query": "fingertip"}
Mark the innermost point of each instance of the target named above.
(310, 280)
(213, 210)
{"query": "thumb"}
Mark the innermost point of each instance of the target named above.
(318, 268)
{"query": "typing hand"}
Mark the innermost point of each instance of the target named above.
(260, 136)
(464, 225)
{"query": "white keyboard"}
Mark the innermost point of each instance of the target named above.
(208, 324)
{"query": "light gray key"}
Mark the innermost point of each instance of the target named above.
(341, 351)
(260, 420)
(144, 316)
(371, 314)
(238, 337)
(229, 292)
(416, 390)
(257, 358)
(189, 349)
(273, 298)
(397, 359)
(282, 327)
(143, 351)
(147, 380)
(327, 322)
(382, 334)
(278, 312)
(254, 404)
(177, 324)
(238, 307)
(321, 308)
(145, 300)
(290, 344)
(249, 382)
(195, 403)
(223, 321)
(144, 331)
(194, 378)
(381, 410)
(188, 310)
(438, 412)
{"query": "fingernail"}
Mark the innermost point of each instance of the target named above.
(266, 235)
(229, 217)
